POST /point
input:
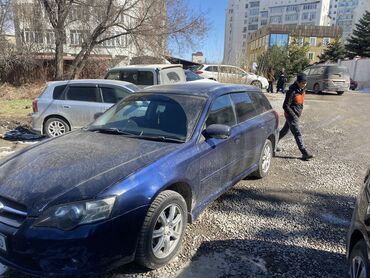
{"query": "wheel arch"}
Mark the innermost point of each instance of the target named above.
(355, 237)
(54, 116)
(185, 191)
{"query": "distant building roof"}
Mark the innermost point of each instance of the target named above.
(197, 53)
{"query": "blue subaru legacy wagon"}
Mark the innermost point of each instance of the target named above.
(125, 187)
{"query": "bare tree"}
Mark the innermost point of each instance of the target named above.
(146, 24)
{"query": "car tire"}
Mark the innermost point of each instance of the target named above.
(264, 162)
(316, 89)
(358, 261)
(257, 84)
(151, 249)
(340, 93)
(54, 127)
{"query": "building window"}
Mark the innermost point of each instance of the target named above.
(76, 37)
(254, 4)
(325, 41)
(279, 40)
(253, 27)
(299, 41)
(33, 37)
(244, 29)
(292, 8)
(50, 37)
(263, 22)
(291, 17)
(312, 41)
(311, 55)
(254, 11)
(275, 19)
(264, 14)
(253, 20)
(311, 6)
(276, 10)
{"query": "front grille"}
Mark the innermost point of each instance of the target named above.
(12, 213)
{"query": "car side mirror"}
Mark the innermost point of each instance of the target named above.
(218, 131)
(97, 115)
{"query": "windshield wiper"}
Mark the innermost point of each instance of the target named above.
(112, 130)
(161, 138)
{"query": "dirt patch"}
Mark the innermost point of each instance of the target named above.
(27, 91)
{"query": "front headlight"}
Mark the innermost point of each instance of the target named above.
(69, 216)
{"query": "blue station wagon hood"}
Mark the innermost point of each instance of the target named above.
(76, 166)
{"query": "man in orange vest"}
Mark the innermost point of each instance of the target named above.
(293, 107)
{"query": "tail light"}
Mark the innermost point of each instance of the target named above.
(199, 72)
(34, 105)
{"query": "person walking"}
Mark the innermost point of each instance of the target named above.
(271, 79)
(293, 107)
(280, 86)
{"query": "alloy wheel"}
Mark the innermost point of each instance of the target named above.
(266, 158)
(56, 128)
(167, 231)
(358, 268)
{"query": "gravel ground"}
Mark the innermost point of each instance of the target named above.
(292, 223)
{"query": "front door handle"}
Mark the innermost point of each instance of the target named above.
(66, 106)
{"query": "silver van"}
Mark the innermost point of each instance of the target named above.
(148, 75)
(71, 104)
(327, 78)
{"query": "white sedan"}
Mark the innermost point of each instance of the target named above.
(231, 74)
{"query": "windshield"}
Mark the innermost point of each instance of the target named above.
(152, 116)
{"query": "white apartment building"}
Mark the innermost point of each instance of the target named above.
(342, 14)
(33, 31)
(246, 16)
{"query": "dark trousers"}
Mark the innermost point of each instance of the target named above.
(270, 88)
(293, 126)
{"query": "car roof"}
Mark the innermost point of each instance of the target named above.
(205, 89)
(154, 66)
(89, 81)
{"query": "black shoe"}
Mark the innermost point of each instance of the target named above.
(306, 155)
(278, 149)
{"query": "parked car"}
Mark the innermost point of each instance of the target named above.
(327, 77)
(193, 77)
(125, 187)
(231, 74)
(67, 105)
(358, 244)
(148, 75)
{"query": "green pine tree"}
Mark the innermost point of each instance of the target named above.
(359, 42)
(333, 52)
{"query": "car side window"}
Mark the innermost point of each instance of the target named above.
(113, 75)
(260, 102)
(212, 69)
(58, 91)
(112, 94)
(221, 112)
(243, 106)
(83, 93)
(173, 77)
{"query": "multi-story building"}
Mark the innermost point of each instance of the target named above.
(317, 37)
(346, 13)
(34, 32)
(246, 16)
(197, 57)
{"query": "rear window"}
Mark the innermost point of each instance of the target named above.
(243, 106)
(58, 91)
(260, 102)
(82, 93)
(337, 70)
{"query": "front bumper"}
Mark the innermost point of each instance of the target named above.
(86, 250)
